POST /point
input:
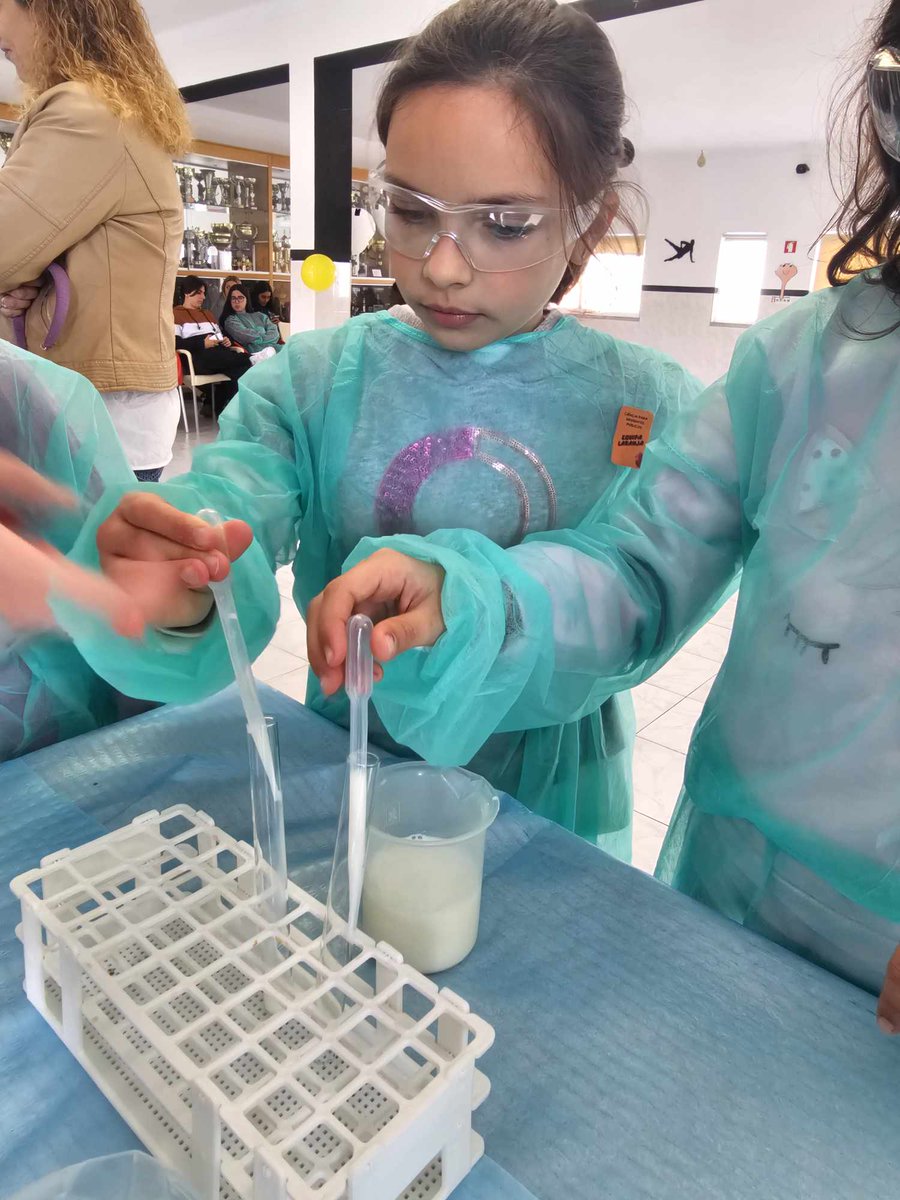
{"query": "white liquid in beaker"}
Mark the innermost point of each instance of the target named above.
(423, 897)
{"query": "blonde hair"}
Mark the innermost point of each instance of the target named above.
(108, 46)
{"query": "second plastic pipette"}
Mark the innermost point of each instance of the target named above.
(268, 827)
(359, 689)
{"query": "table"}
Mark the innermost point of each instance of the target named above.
(646, 1048)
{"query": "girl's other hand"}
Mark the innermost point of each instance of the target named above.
(402, 596)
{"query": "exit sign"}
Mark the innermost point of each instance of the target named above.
(790, 247)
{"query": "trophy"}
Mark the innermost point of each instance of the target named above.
(190, 184)
(282, 255)
(222, 238)
(187, 246)
(204, 249)
(208, 185)
(281, 196)
(247, 233)
(239, 191)
(251, 194)
(220, 196)
(184, 182)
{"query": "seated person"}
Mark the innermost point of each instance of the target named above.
(52, 421)
(227, 285)
(264, 300)
(197, 330)
(257, 332)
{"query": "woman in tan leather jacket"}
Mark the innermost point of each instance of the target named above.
(88, 183)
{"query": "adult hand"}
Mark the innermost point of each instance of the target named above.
(20, 299)
(238, 349)
(210, 342)
(226, 342)
(165, 559)
(32, 572)
(402, 596)
(889, 1000)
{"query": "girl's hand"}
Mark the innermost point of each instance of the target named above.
(889, 1000)
(20, 299)
(165, 559)
(226, 342)
(402, 596)
(209, 341)
(32, 572)
(237, 349)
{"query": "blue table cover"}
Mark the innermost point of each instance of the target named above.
(646, 1048)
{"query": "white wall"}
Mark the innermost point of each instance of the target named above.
(754, 189)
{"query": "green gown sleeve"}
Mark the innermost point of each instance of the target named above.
(259, 470)
(55, 421)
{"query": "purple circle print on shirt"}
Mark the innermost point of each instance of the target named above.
(417, 462)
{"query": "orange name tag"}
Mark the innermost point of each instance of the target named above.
(631, 436)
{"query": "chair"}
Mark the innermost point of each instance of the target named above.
(196, 381)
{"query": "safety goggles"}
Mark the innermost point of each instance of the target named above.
(491, 237)
(883, 78)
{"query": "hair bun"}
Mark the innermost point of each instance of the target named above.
(627, 157)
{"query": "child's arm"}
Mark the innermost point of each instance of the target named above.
(542, 633)
(258, 472)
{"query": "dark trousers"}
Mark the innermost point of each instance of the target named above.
(222, 361)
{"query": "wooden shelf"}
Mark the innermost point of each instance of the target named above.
(210, 274)
(372, 281)
(204, 273)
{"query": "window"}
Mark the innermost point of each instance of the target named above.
(825, 252)
(612, 281)
(739, 278)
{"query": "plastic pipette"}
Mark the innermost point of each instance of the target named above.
(268, 826)
(359, 689)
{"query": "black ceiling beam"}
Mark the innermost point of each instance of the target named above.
(612, 10)
(250, 81)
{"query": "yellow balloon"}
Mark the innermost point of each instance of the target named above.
(318, 272)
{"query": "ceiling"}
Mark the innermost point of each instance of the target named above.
(722, 73)
(259, 119)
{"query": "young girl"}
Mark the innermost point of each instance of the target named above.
(474, 408)
(789, 821)
(257, 332)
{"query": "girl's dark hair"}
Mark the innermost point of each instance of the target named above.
(869, 219)
(228, 308)
(558, 66)
(259, 289)
(191, 284)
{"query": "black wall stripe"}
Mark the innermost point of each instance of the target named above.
(665, 287)
(711, 291)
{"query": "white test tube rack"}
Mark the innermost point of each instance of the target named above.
(236, 1057)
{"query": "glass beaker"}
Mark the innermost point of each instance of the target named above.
(425, 862)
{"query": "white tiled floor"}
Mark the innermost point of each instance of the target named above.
(667, 709)
(667, 706)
